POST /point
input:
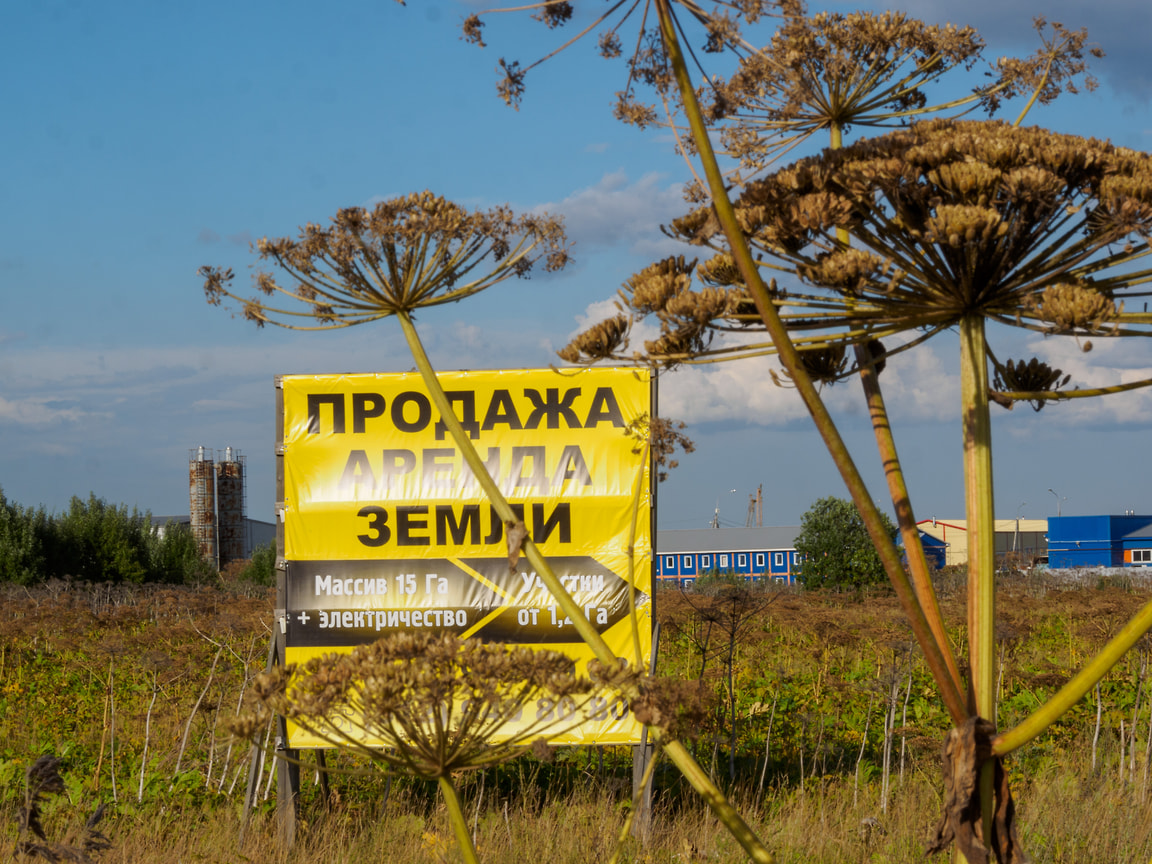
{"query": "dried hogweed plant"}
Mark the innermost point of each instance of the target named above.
(956, 225)
(641, 46)
(865, 70)
(808, 231)
(432, 706)
(404, 255)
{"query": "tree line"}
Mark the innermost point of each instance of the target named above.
(97, 541)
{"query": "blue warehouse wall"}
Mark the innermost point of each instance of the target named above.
(1096, 541)
(1080, 541)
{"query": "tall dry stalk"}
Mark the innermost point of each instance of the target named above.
(1096, 731)
(860, 755)
(147, 736)
(192, 716)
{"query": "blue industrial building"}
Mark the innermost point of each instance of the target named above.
(756, 553)
(935, 550)
(1100, 541)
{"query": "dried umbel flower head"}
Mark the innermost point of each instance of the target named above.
(825, 366)
(403, 254)
(599, 342)
(1070, 306)
(955, 219)
(678, 708)
(948, 219)
(833, 71)
(652, 288)
(429, 705)
(863, 69)
(850, 270)
(648, 62)
(720, 271)
(1035, 376)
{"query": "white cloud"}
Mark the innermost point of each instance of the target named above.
(38, 412)
(617, 212)
(921, 385)
(1110, 362)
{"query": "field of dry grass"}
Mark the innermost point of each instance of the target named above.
(130, 685)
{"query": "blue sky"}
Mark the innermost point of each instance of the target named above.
(143, 140)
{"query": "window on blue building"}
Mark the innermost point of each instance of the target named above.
(723, 560)
(1142, 556)
(759, 559)
(741, 560)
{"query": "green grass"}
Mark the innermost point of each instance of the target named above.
(827, 662)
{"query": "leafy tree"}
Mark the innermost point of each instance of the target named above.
(176, 558)
(100, 542)
(837, 551)
(260, 569)
(23, 536)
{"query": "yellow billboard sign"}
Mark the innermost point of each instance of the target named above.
(386, 529)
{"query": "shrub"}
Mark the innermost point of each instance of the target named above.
(835, 547)
(176, 558)
(260, 569)
(24, 535)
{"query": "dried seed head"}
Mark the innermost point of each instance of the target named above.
(824, 365)
(610, 46)
(1071, 306)
(472, 27)
(554, 14)
(675, 346)
(721, 271)
(959, 225)
(1032, 377)
(971, 181)
(677, 707)
(663, 436)
(403, 254)
(878, 353)
(652, 288)
(847, 270)
(599, 342)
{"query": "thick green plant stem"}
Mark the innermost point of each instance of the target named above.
(724, 811)
(679, 756)
(905, 518)
(977, 426)
(742, 255)
(459, 822)
(1077, 688)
